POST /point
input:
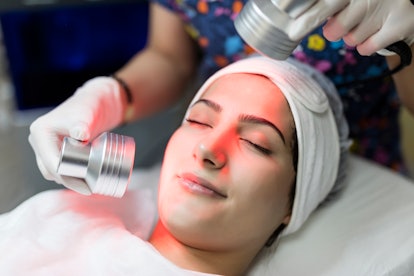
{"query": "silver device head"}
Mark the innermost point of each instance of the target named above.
(262, 25)
(105, 164)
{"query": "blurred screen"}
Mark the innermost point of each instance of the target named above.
(52, 51)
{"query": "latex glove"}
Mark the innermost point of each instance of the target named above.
(94, 108)
(370, 25)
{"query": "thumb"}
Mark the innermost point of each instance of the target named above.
(80, 131)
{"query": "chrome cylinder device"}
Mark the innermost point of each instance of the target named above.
(262, 25)
(105, 164)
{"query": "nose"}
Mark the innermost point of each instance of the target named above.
(210, 154)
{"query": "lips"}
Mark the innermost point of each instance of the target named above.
(200, 185)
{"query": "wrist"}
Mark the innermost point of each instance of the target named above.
(128, 113)
(394, 60)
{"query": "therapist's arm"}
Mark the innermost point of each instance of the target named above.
(404, 81)
(158, 75)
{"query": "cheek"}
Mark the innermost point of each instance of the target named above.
(261, 204)
(176, 143)
(169, 163)
(177, 153)
(179, 147)
(265, 188)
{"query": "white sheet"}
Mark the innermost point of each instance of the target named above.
(369, 230)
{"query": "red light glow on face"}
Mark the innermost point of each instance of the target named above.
(228, 168)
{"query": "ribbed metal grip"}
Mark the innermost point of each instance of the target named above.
(105, 164)
(261, 23)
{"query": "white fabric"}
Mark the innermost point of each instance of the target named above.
(64, 233)
(316, 130)
(368, 231)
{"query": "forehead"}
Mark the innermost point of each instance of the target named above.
(254, 95)
(242, 85)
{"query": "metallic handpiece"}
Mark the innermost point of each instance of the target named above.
(105, 164)
(261, 23)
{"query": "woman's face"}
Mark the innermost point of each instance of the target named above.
(228, 171)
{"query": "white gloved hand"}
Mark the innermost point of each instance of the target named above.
(370, 25)
(94, 108)
(314, 17)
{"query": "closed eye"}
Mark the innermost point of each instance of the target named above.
(257, 147)
(191, 121)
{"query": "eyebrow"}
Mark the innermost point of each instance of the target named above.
(215, 106)
(244, 117)
(259, 120)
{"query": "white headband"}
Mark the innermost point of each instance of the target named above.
(318, 140)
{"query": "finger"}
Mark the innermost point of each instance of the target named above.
(378, 41)
(370, 25)
(80, 131)
(395, 27)
(314, 17)
(343, 22)
(44, 171)
(47, 150)
(42, 168)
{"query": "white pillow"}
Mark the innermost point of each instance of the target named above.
(368, 230)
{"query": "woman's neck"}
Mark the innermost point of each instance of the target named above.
(195, 259)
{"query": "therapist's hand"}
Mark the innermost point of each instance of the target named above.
(370, 25)
(94, 108)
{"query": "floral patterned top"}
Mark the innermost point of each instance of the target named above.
(371, 107)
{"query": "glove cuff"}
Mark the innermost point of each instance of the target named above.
(129, 110)
(385, 52)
